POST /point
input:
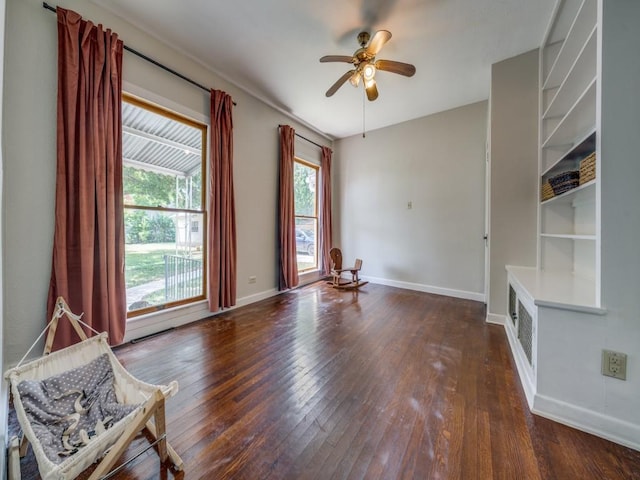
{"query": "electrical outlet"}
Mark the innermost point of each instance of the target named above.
(614, 364)
(252, 279)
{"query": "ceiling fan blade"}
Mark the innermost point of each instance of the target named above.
(372, 90)
(405, 69)
(336, 58)
(377, 42)
(334, 88)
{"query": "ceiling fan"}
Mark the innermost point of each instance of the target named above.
(366, 65)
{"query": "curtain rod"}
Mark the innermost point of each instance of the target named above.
(304, 138)
(150, 60)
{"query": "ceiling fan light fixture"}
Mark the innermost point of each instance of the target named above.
(365, 64)
(355, 79)
(368, 72)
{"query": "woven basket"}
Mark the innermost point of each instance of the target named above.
(565, 181)
(546, 192)
(588, 168)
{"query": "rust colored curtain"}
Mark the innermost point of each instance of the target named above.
(325, 210)
(222, 225)
(287, 219)
(88, 245)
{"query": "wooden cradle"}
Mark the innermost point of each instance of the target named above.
(110, 444)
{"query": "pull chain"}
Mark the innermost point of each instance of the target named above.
(364, 92)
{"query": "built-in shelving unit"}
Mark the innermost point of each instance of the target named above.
(568, 223)
(566, 276)
(581, 297)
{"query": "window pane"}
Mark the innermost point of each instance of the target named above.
(163, 257)
(304, 185)
(144, 188)
(306, 235)
(193, 191)
(162, 156)
(163, 189)
(305, 204)
(148, 189)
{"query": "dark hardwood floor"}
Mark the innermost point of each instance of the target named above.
(378, 384)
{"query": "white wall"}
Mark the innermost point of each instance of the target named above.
(514, 171)
(620, 216)
(620, 198)
(29, 161)
(571, 388)
(437, 163)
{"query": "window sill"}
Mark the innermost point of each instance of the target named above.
(308, 277)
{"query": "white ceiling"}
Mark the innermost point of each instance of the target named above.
(270, 48)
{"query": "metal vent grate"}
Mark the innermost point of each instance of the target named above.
(525, 331)
(512, 304)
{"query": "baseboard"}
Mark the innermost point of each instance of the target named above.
(479, 297)
(604, 426)
(496, 319)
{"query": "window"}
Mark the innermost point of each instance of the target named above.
(305, 179)
(163, 171)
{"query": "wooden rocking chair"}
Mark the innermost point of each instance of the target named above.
(337, 281)
(146, 400)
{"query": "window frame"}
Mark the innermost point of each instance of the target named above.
(315, 217)
(157, 109)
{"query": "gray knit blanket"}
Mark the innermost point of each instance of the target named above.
(68, 410)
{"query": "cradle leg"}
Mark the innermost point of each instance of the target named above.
(14, 459)
(161, 430)
(175, 458)
(136, 424)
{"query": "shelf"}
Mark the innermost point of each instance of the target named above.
(580, 75)
(557, 289)
(568, 236)
(563, 17)
(578, 120)
(574, 42)
(549, 53)
(569, 195)
(582, 148)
